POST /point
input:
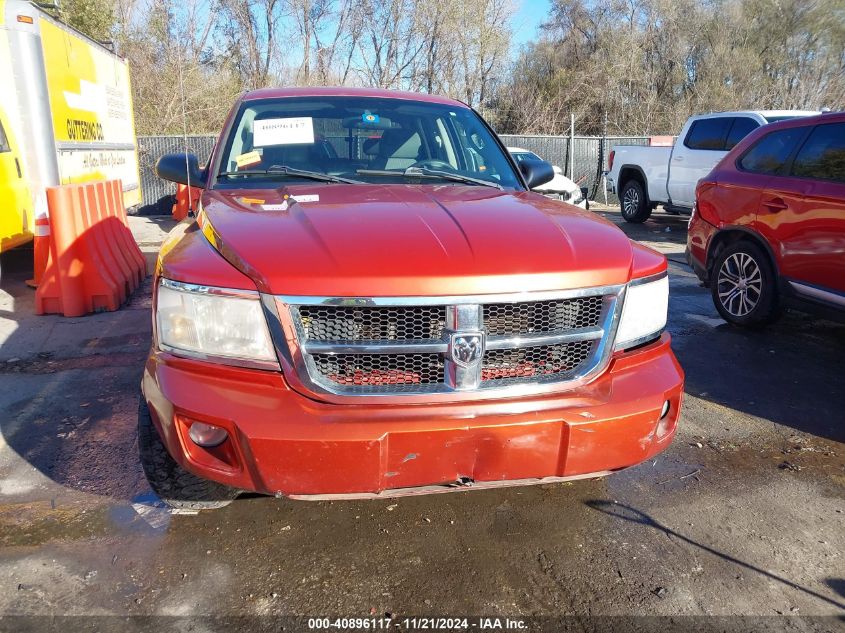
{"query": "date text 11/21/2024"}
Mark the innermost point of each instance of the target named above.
(417, 623)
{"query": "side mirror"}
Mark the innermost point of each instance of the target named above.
(536, 172)
(177, 167)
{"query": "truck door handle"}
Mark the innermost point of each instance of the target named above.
(775, 204)
(678, 158)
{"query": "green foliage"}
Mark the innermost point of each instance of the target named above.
(94, 18)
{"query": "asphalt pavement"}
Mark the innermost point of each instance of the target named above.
(744, 515)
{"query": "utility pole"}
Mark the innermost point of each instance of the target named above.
(603, 160)
(571, 147)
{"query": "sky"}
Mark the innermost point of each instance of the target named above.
(531, 14)
(526, 23)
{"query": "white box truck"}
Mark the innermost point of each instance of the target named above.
(65, 117)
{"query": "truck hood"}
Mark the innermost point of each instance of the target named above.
(406, 240)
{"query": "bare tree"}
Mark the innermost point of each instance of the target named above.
(648, 64)
(251, 33)
(651, 63)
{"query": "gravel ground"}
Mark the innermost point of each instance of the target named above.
(744, 515)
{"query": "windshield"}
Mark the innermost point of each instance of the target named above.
(360, 139)
(521, 156)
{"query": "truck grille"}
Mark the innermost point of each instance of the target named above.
(515, 365)
(379, 346)
(372, 323)
(515, 319)
(379, 370)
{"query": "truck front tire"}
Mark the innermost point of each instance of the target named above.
(177, 487)
(635, 208)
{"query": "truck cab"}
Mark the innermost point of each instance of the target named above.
(645, 177)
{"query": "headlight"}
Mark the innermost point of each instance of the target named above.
(213, 322)
(644, 312)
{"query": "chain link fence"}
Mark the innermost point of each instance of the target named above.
(157, 193)
(589, 160)
(589, 156)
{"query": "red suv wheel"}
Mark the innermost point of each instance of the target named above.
(744, 285)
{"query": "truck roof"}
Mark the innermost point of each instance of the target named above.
(342, 91)
(766, 114)
(816, 118)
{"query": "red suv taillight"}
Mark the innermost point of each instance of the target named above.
(610, 159)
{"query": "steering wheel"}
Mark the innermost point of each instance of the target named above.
(433, 163)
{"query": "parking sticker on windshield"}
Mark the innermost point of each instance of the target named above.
(248, 159)
(292, 131)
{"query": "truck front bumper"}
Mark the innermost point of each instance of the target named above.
(281, 442)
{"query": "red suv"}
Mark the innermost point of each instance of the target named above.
(768, 228)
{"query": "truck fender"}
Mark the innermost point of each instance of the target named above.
(640, 172)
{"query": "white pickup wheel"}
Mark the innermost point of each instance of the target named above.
(635, 208)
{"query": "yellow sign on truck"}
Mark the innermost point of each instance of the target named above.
(65, 116)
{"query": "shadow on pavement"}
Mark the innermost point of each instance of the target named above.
(627, 513)
(68, 405)
(786, 374)
(162, 206)
(837, 584)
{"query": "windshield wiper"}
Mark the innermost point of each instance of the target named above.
(423, 172)
(291, 171)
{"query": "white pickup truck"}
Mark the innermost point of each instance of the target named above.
(644, 177)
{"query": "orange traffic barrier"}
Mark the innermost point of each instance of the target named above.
(40, 250)
(114, 191)
(93, 263)
(183, 203)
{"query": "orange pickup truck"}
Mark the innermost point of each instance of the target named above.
(371, 302)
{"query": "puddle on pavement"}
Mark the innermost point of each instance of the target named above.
(37, 523)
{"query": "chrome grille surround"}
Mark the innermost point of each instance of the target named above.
(533, 342)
